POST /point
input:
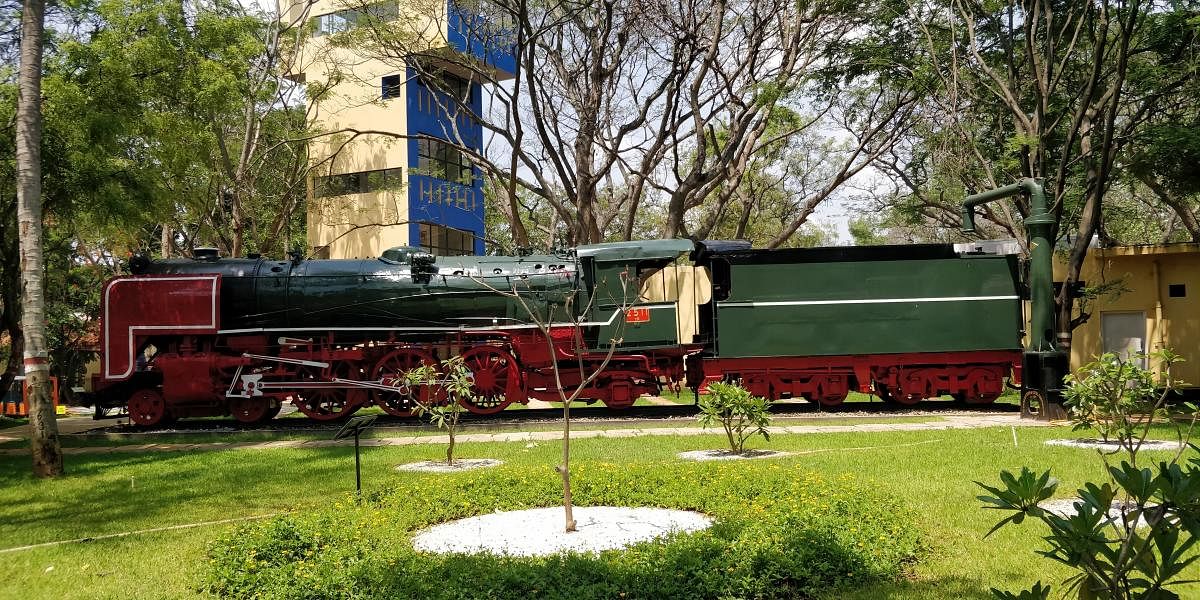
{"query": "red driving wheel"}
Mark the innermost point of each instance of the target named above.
(147, 407)
(393, 366)
(492, 369)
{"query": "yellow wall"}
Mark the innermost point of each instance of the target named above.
(357, 225)
(1146, 272)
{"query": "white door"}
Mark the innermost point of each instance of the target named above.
(1124, 333)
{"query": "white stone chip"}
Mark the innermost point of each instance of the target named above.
(540, 531)
(1065, 508)
(1113, 446)
(440, 466)
(703, 455)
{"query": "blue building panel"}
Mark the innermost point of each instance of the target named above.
(431, 199)
(470, 33)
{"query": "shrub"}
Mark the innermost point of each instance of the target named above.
(453, 384)
(1139, 548)
(740, 413)
(1116, 396)
(777, 534)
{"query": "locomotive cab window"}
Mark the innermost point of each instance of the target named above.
(721, 279)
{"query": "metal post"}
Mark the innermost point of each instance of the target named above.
(355, 426)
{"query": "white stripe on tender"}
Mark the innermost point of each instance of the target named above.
(863, 301)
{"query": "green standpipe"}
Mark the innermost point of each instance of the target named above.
(1044, 364)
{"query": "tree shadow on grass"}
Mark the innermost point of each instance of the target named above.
(112, 493)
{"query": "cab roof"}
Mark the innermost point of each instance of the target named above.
(637, 250)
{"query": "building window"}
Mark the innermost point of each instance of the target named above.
(1177, 290)
(442, 160)
(457, 87)
(440, 240)
(447, 83)
(337, 185)
(391, 86)
(345, 20)
(361, 182)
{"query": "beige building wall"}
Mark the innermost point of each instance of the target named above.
(358, 224)
(1146, 306)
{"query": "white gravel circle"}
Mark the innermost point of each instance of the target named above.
(539, 531)
(440, 466)
(1065, 508)
(703, 455)
(1113, 446)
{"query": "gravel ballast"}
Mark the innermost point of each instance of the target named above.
(539, 531)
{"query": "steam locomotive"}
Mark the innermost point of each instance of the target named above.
(240, 336)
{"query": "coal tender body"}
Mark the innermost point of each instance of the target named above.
(903, 322)
(218, 336)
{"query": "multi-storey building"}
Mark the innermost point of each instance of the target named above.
(384, 172)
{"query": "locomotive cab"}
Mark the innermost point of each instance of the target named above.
(631, 300)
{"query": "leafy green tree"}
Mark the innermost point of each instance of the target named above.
(1029, 89)
(166, 126)
(866, 231)
(1117, 397)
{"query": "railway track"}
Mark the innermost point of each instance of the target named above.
(788, 411)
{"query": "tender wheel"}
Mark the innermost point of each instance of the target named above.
(898, 396)
(402, 402)
(328, 404)
(253, 410)
(493, 369)
(147, 408)
(826, 399)
(884, 394)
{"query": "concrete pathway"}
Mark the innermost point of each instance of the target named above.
(936, 424)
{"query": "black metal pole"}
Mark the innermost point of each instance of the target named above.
(357, 470)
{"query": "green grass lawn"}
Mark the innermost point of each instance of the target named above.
(105, 494)
(86, 440)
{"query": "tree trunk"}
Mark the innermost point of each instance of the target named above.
(450, 446)
(167, 240)
(565, 469)
(1186, 217)
(47, 455)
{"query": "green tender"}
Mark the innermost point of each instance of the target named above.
(870, 307)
